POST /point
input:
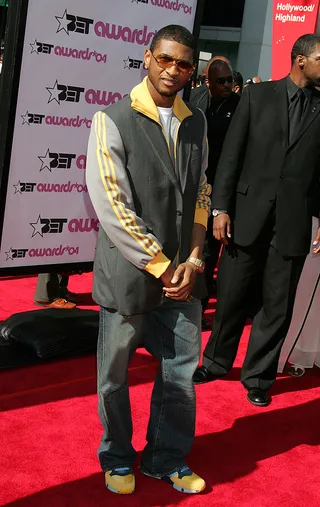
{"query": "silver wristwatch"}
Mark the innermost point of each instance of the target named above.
(216, 212)
(199, 263)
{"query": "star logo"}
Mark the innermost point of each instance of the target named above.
(54, 93)
(25, 118)
(17, 188)
(127, 63)
(63, 22)
(34, 47)
(37, 227)
(45, 161)
(9, 255)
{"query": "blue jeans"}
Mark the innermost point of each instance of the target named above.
(171, 333)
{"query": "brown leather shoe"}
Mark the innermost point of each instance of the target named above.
(59, 303)
(73, 297)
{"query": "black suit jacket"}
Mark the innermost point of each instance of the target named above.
(219, 119)
(258, 167)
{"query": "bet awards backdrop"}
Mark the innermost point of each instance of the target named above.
(290, 21)
(79, 56)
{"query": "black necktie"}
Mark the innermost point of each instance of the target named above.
(297, 110)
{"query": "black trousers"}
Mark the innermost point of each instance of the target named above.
(213, 251)
(239, 270)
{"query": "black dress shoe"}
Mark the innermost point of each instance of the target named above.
(258, 397)
(202, 376)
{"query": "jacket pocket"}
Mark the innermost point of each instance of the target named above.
(242, 187)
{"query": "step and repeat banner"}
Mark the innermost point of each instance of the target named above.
(79, 56)
(290, 21)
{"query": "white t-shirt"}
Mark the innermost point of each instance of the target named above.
(165, 114)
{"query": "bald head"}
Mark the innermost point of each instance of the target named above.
(209, 64)
(220, 79)
(219, 64)
(220, 58)
(213, 59)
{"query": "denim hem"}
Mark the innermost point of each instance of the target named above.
(160, 475)
(120, 465)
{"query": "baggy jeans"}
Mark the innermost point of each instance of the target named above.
(172, 334)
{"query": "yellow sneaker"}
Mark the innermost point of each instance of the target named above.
(184, 480)
(120, 480)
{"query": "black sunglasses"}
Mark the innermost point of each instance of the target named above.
(166, 62)
(224, 80)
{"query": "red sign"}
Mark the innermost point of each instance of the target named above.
(290, 21)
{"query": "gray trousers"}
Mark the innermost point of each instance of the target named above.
(50, 286)
(171, 333)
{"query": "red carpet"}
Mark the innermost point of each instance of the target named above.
(250, 457)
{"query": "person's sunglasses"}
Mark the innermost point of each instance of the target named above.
(224, 80)
(166, 62)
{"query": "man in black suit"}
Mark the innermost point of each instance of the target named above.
(266, 189)
(219, 111)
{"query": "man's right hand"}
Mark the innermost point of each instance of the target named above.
(222, 228)
(167, 276)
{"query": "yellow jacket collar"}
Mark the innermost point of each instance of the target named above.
(143, 102)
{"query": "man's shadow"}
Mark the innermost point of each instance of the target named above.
(220, 458)
(251, 439)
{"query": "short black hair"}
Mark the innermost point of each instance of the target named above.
(175, 33)
(238, 79)
(304, 46)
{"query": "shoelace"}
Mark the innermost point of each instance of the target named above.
(182, 472)
(121, 471)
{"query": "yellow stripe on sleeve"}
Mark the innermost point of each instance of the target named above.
(108, 177)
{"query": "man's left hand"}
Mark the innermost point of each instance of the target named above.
(316, 243)
(184, 279)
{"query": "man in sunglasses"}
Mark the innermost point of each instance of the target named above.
(219, 111)
(201, 94)
(147, 158)
(223, 104)
(266, 190)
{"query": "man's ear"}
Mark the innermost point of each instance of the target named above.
(147, 58)
(301, 61)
